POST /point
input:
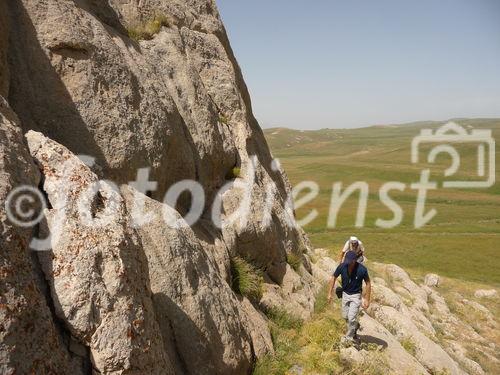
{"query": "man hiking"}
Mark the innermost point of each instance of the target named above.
(355, 245)
(352, 273)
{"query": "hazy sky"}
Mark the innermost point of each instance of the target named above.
(328, 63)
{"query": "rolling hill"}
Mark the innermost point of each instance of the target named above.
(461, 241)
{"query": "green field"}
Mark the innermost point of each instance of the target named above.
(462, 241)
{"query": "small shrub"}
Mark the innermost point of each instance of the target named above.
(295, 261)
(410, 301)
(303, 249)
(148, 29)
(283, 319)
(409, 345)
(440, 332)
(247, 280)
(233, 173)
(223, 119)
(392, 328)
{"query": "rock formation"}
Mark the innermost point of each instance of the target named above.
(98, 99)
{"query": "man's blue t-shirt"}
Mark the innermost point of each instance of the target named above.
(352, 283)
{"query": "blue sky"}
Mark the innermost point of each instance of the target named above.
(328, 63)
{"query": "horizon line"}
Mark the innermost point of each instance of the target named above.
(263, 127)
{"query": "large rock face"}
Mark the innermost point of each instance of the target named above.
(176, 104)
(115, 298)
(29, 339)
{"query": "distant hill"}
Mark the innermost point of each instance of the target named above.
(465, 229)
(282, 137)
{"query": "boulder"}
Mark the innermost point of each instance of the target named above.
(405, 286)
(486, 293)
(379, 281)
(428, 353)
(386, 297)
(89, 87)
(295, 295)
(399, 360)
(258, 327)
(460, 354)
(438, 303)
(97, 269)
(319, 274)
(481, 312)
(431, 280)
(351, 355)
(327, 265)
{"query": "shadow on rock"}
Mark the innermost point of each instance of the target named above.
(367, 339)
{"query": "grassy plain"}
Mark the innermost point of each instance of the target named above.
(462, 241)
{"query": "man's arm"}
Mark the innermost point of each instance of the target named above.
(368, 294)
(331, 285)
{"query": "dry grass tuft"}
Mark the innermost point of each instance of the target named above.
(148, 29)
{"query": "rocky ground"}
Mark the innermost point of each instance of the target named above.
(435, 326)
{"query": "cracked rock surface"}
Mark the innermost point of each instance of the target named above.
(113, 298)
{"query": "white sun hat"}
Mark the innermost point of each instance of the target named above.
(353, 239)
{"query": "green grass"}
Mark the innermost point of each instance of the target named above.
(233, 173)
(148, 29)
(283, 319)
(247, 280)
(295, 261)
(321, 301)
(223, 119)
(409, 345)
(465, 231)
(309, 346)
(313, 346)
